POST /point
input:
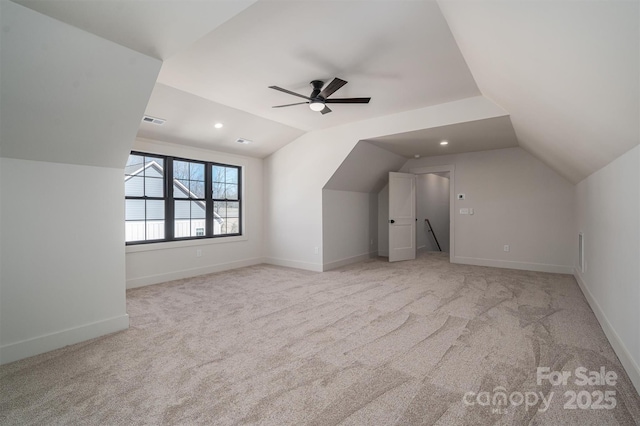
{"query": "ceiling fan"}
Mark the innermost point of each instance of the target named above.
(319, 97)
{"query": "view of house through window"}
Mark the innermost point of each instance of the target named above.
(144, 203)
(225, 188)
(169, 199)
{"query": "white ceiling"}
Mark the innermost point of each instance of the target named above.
(400, 53)
(191, 121)
(565, 71)
(157, 28)
(480, 135)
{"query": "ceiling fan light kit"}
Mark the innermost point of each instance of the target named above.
(319, 98)
(316, 106)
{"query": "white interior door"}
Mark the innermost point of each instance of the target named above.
(402, 216)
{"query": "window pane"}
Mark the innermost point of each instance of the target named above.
(231, 175)
(155, 167)
(218, 223)
(218, 174)
(233, 225)
(134, 186)
(153, 187)
(180, 190)
(220, 208)
(181, 170)
(232, 192)
(196, 171)
(226, 218)
(181, 228)
(198, 210)
(134, 209)
(134, 164)
(155, 230)
(233, 209)
(155, 209)
(197, 189)
(218, 191)
(139, 229)
(182, 210)
(134, 231)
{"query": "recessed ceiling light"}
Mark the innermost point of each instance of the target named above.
(417, 156)
(218, 125)
(444, 143)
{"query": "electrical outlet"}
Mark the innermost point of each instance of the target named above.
(199, 253)
(316, 250)
(506, 247)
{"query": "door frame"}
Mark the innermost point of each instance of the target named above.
(452, 198)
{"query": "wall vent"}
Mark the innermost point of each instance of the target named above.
(153, 120)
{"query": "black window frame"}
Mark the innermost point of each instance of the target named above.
(169, 200)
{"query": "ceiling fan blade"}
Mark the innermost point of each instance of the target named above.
(288, 105)
(289, 92)
(348, 101)
(326, 110)
(335, 84)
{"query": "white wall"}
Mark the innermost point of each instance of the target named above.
(432, 194)
(366, 169)
(159, 262)
(608, 214)
(68, 96)
(517, 201)
(70, 107)
(62, 255)
(296, 174)
(350, 227)
(350, 204)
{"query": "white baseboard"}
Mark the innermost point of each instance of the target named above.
(307, 266)
(348, 261)
(59, 339)
(629, 364)
(508, 264)
(193, 272)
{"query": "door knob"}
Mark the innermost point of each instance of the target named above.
(392, 221)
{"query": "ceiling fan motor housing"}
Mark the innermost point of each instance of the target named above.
(317, 87)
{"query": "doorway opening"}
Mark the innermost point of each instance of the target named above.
(433, 211)
(404, 245)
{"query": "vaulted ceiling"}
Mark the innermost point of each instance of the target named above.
(566, 72)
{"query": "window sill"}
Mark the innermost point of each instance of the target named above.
(167, 245)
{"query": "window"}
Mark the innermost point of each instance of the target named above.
(226, 204)
(144, 203)
(190, 205)
(169, 198)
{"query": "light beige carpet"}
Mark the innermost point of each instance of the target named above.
(419, 342)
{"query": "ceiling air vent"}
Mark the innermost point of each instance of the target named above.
(244, 141)
(153, 120)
